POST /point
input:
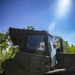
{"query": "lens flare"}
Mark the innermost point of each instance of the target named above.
(63, 6)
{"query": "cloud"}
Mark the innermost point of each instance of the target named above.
(51, 27)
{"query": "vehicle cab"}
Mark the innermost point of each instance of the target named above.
(36, 52)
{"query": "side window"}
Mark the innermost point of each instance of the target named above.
(49, 44)
(53, 51)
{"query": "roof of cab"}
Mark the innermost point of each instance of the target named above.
(16, 33)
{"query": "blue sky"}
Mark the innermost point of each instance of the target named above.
(53, 15)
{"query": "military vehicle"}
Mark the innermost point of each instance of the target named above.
(37, 54)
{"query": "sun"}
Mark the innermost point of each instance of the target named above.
(63, 6)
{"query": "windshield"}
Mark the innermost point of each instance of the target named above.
(36, 42)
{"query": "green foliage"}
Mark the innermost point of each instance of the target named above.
(72, 49)
(7, 50)
(66, 47)
(30, 28)
(3, 42)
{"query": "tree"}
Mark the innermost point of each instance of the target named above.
(30, 28)
(7, 49)
(66, 46)
(3, 42)
(3, 46)
(64, 43)
(72, 49)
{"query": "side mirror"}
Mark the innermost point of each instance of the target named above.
(54, 46)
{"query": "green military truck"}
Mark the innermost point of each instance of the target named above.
(37, 55)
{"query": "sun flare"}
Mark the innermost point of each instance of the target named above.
(63, 6)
